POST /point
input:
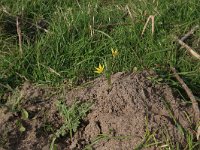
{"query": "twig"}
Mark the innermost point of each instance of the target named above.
(190, 50)
(183, 44)
(190, 95)
(130, 14)
(51, 70)
(19, 36)
(189, 33)
(37, 26)
(152, 24)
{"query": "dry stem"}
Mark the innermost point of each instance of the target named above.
(152, 24)
(189, 33)
(190, 50)
(190, 95)
(19, 36)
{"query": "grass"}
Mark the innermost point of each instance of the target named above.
(67, 39)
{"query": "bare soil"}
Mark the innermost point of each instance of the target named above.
(132, 111)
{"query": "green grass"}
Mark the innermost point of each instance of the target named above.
(69, 51)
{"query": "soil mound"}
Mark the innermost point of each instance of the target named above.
(131, 113)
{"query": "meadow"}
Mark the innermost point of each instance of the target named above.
(51, 42)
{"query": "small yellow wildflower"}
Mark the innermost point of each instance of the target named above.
(99, 69)
(114, 52)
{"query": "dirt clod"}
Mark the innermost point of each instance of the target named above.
(130, 112)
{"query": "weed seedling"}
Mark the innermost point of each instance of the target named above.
(72, 118)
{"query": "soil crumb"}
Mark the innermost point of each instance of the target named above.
(133, 112)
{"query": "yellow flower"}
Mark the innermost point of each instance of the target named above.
(99, 69)
(114, 52)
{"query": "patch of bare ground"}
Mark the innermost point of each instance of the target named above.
(124, 111)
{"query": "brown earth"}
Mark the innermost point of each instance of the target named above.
(130, 112)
